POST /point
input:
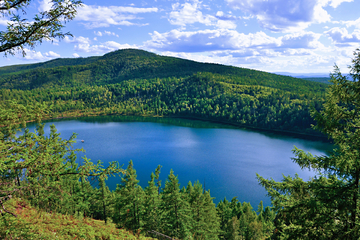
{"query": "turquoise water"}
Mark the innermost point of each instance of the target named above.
(225, 159)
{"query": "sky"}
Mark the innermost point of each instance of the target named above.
(297, 36)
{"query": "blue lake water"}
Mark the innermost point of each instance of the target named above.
(226, 159)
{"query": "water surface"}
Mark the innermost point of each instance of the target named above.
(225, 159)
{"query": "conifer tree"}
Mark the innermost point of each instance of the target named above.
(225, 213)
(326, 206)
(157, 177)
(33, 165)
(205, 220)
(176, 218)
(152, 214)
(129, 201)
(232, 231)
(101, 206)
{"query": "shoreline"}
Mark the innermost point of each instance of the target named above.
(306, 136)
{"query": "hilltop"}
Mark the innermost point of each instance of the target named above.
(136, 82)
(118, 66)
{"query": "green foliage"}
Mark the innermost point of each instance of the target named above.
(206, 223)
(268, 102)
(33, 223)
(21, 32)
(136, 82)
(43, 169)
(129, 201)
(239, 221)
(327, 206)
(152, 213)
(176, 219)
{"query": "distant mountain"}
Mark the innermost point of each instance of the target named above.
(121, 65)
(136, 82)
(304, 75)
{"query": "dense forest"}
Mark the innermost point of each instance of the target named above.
(135, 82)
(41, 172)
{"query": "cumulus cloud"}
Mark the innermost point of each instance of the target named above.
(32, 55)
(76, 55)
(45, 5)
(83, 44)
(109, 33)
(4, 21)
(225, 39)
(285, 15)
(102, 48)
(336, 3)
(52, 54)
(77, 40)
(301, 40)
(189, 13)
(100, 16)
(341, 37)
(98, 33)
(355, 23)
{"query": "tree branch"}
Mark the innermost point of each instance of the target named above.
(29, 34)
(14, 5)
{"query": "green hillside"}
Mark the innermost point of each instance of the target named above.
(35, 223)
(121, 65)
(136, 82)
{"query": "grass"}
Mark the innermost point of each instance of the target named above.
(32, 223)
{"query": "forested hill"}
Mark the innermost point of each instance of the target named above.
(127, 64)
(136, 82)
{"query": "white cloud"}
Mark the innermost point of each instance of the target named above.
(301, 40)
(336, 3)
(355, 23)
(83, 44)
(76, 55)
(45, 5)
(225, 24)
(224, 39)
(102, 48)
(52, 54)
(4, 21)
(98, 33)
(341, 37)
(189, 13)
(32, 55)
(109, 33)
(100, 16)
(284, 15)
(79, 40)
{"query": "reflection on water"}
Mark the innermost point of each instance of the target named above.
(224, 157)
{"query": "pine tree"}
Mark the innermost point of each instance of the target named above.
(225, 213)
(327, 206)
(232, 229)
(152, 214)
(129, 201)
(205, 220)
(176, 216)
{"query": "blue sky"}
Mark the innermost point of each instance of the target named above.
(298, 36)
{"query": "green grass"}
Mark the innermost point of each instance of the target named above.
(32, 223)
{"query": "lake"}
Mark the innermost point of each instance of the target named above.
(226, 159)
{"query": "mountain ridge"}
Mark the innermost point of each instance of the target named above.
(115, 67)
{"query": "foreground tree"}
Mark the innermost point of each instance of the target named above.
(129, 201)
(46, 25)
(176, 219)
(36, 166)
(327, 206)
